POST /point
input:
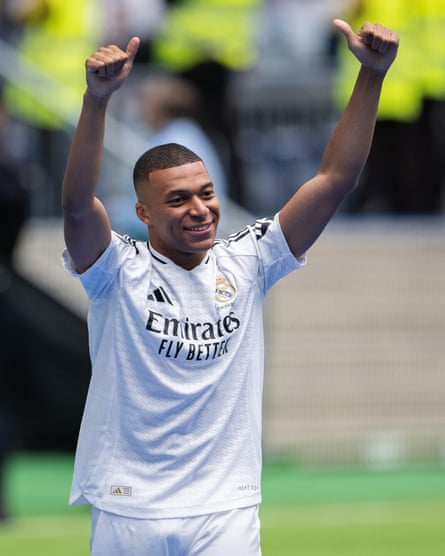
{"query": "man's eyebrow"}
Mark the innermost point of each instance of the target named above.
(176, 192)
(182, 191)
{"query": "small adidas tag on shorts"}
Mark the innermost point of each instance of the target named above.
(119, 490)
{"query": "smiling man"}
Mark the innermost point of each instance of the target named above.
(169, 451)
(178, 204)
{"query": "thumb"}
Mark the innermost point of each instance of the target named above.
(345, 28)
(132, 48)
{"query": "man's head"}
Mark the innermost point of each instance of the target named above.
(177, 201)
(165, 98)
(160, 158)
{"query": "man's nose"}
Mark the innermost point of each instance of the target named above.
(198, 207)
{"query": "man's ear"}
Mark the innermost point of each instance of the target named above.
(142, 212)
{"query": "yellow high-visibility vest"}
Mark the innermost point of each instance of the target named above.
(431, 25)
(402, 93)
(58, 45)
(196, 30)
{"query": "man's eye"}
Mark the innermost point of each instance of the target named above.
(175, 201)
(208, 194)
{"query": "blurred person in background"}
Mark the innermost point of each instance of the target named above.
(405, 170)
(207, 43)
(169, 452)
(14, 201)
(431, 18)
(71, 28)
(298, 32)
(285, 99)
(15, 174)
(170, 112)
(126, 18)
(8, 27)
(170, 108)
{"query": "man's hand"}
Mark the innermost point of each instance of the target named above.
(108, 68)
(374, 46)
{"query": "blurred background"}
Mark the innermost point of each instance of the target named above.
(355, 342)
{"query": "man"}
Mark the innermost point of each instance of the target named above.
(169, 452)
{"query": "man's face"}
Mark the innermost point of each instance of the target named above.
(181, 210)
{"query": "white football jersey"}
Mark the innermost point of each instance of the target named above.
(172, 422)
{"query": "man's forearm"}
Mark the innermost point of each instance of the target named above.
(85, 157)
(349, 146)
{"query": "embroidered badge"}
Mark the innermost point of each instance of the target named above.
(224, 291)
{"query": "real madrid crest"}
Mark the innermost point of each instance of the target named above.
(224, 291)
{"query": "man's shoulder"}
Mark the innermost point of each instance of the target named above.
(127, 243)
(250, 234)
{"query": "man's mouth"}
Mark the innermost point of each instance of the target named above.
(200, 228)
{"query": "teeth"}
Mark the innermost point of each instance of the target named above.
(198, 228)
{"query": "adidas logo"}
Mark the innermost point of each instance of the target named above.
(117, 490)
(160, 295)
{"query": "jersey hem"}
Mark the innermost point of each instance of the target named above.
(168, 513)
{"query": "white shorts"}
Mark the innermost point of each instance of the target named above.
(220, 534)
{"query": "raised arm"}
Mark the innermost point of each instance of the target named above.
(86, 223)
(305, 216)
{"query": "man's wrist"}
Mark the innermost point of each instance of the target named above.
(373, 74)
(95, 101)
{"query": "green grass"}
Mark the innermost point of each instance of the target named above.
(46, 535)
(307, 512)
(357, 529)
(353, 512)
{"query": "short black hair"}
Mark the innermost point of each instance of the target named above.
(161, 157)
